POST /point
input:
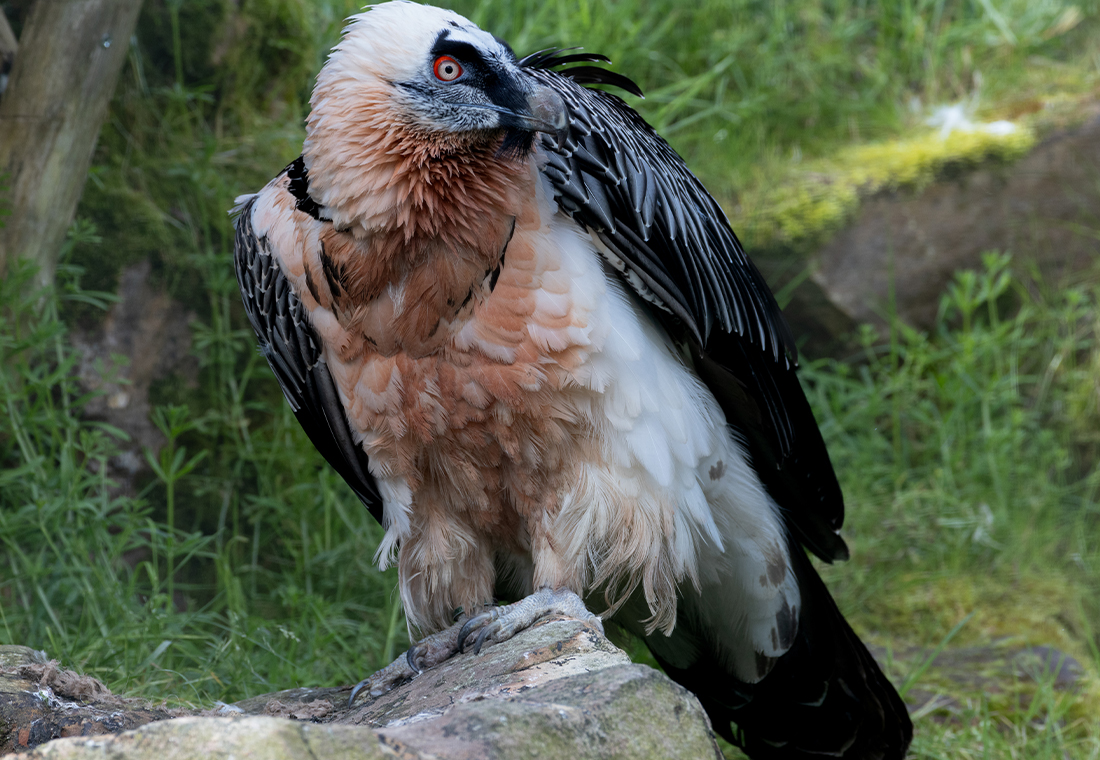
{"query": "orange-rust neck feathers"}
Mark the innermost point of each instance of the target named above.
(372, 170)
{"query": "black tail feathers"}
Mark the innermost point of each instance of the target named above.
(826, 697)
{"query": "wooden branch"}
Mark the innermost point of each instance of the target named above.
(56, 101)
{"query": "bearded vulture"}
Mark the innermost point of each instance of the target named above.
(520, 328)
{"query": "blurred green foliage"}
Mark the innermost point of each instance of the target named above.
(734, 83)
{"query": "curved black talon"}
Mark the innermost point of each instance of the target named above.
(491, 628)
(410, 658)
(463, 634)
(472, 625)
(355, 690)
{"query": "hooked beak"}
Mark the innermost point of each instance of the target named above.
(543, 111)
(546, 111)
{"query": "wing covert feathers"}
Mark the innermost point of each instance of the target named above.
(616, 176)
(293, 350)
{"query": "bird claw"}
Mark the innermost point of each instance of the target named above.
(393, 675)
(484, 625)
(425, 654)
(496, 624)
(502, 623)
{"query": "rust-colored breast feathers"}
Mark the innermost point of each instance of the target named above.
(435, 337)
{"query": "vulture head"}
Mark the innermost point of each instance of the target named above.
(409, 85)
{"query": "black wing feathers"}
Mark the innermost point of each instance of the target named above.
(766, 405)
(615, 176)
(293, 350)
(618, 173)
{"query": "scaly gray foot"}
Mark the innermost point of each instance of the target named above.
(427, 653)
(502, 623)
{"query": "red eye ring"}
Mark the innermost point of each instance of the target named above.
(446, 69)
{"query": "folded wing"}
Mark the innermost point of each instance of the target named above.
(293, 350)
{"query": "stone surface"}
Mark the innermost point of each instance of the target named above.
(40, 701)
(1044, 209)
(557, 690)
(199, 737)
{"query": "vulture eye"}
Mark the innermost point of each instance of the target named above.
(447, 69)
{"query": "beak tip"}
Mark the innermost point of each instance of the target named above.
(548, 107)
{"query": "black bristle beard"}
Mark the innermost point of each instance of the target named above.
(516, 145)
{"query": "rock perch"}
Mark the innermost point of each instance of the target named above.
(557, 690)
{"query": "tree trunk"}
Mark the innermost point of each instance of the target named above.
(71, 52)
(8, 47)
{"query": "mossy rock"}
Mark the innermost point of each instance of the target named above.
(880, 230)
(902, 248)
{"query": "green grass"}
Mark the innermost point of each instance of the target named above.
(244, 564)
(968, 459)
(266, 555)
